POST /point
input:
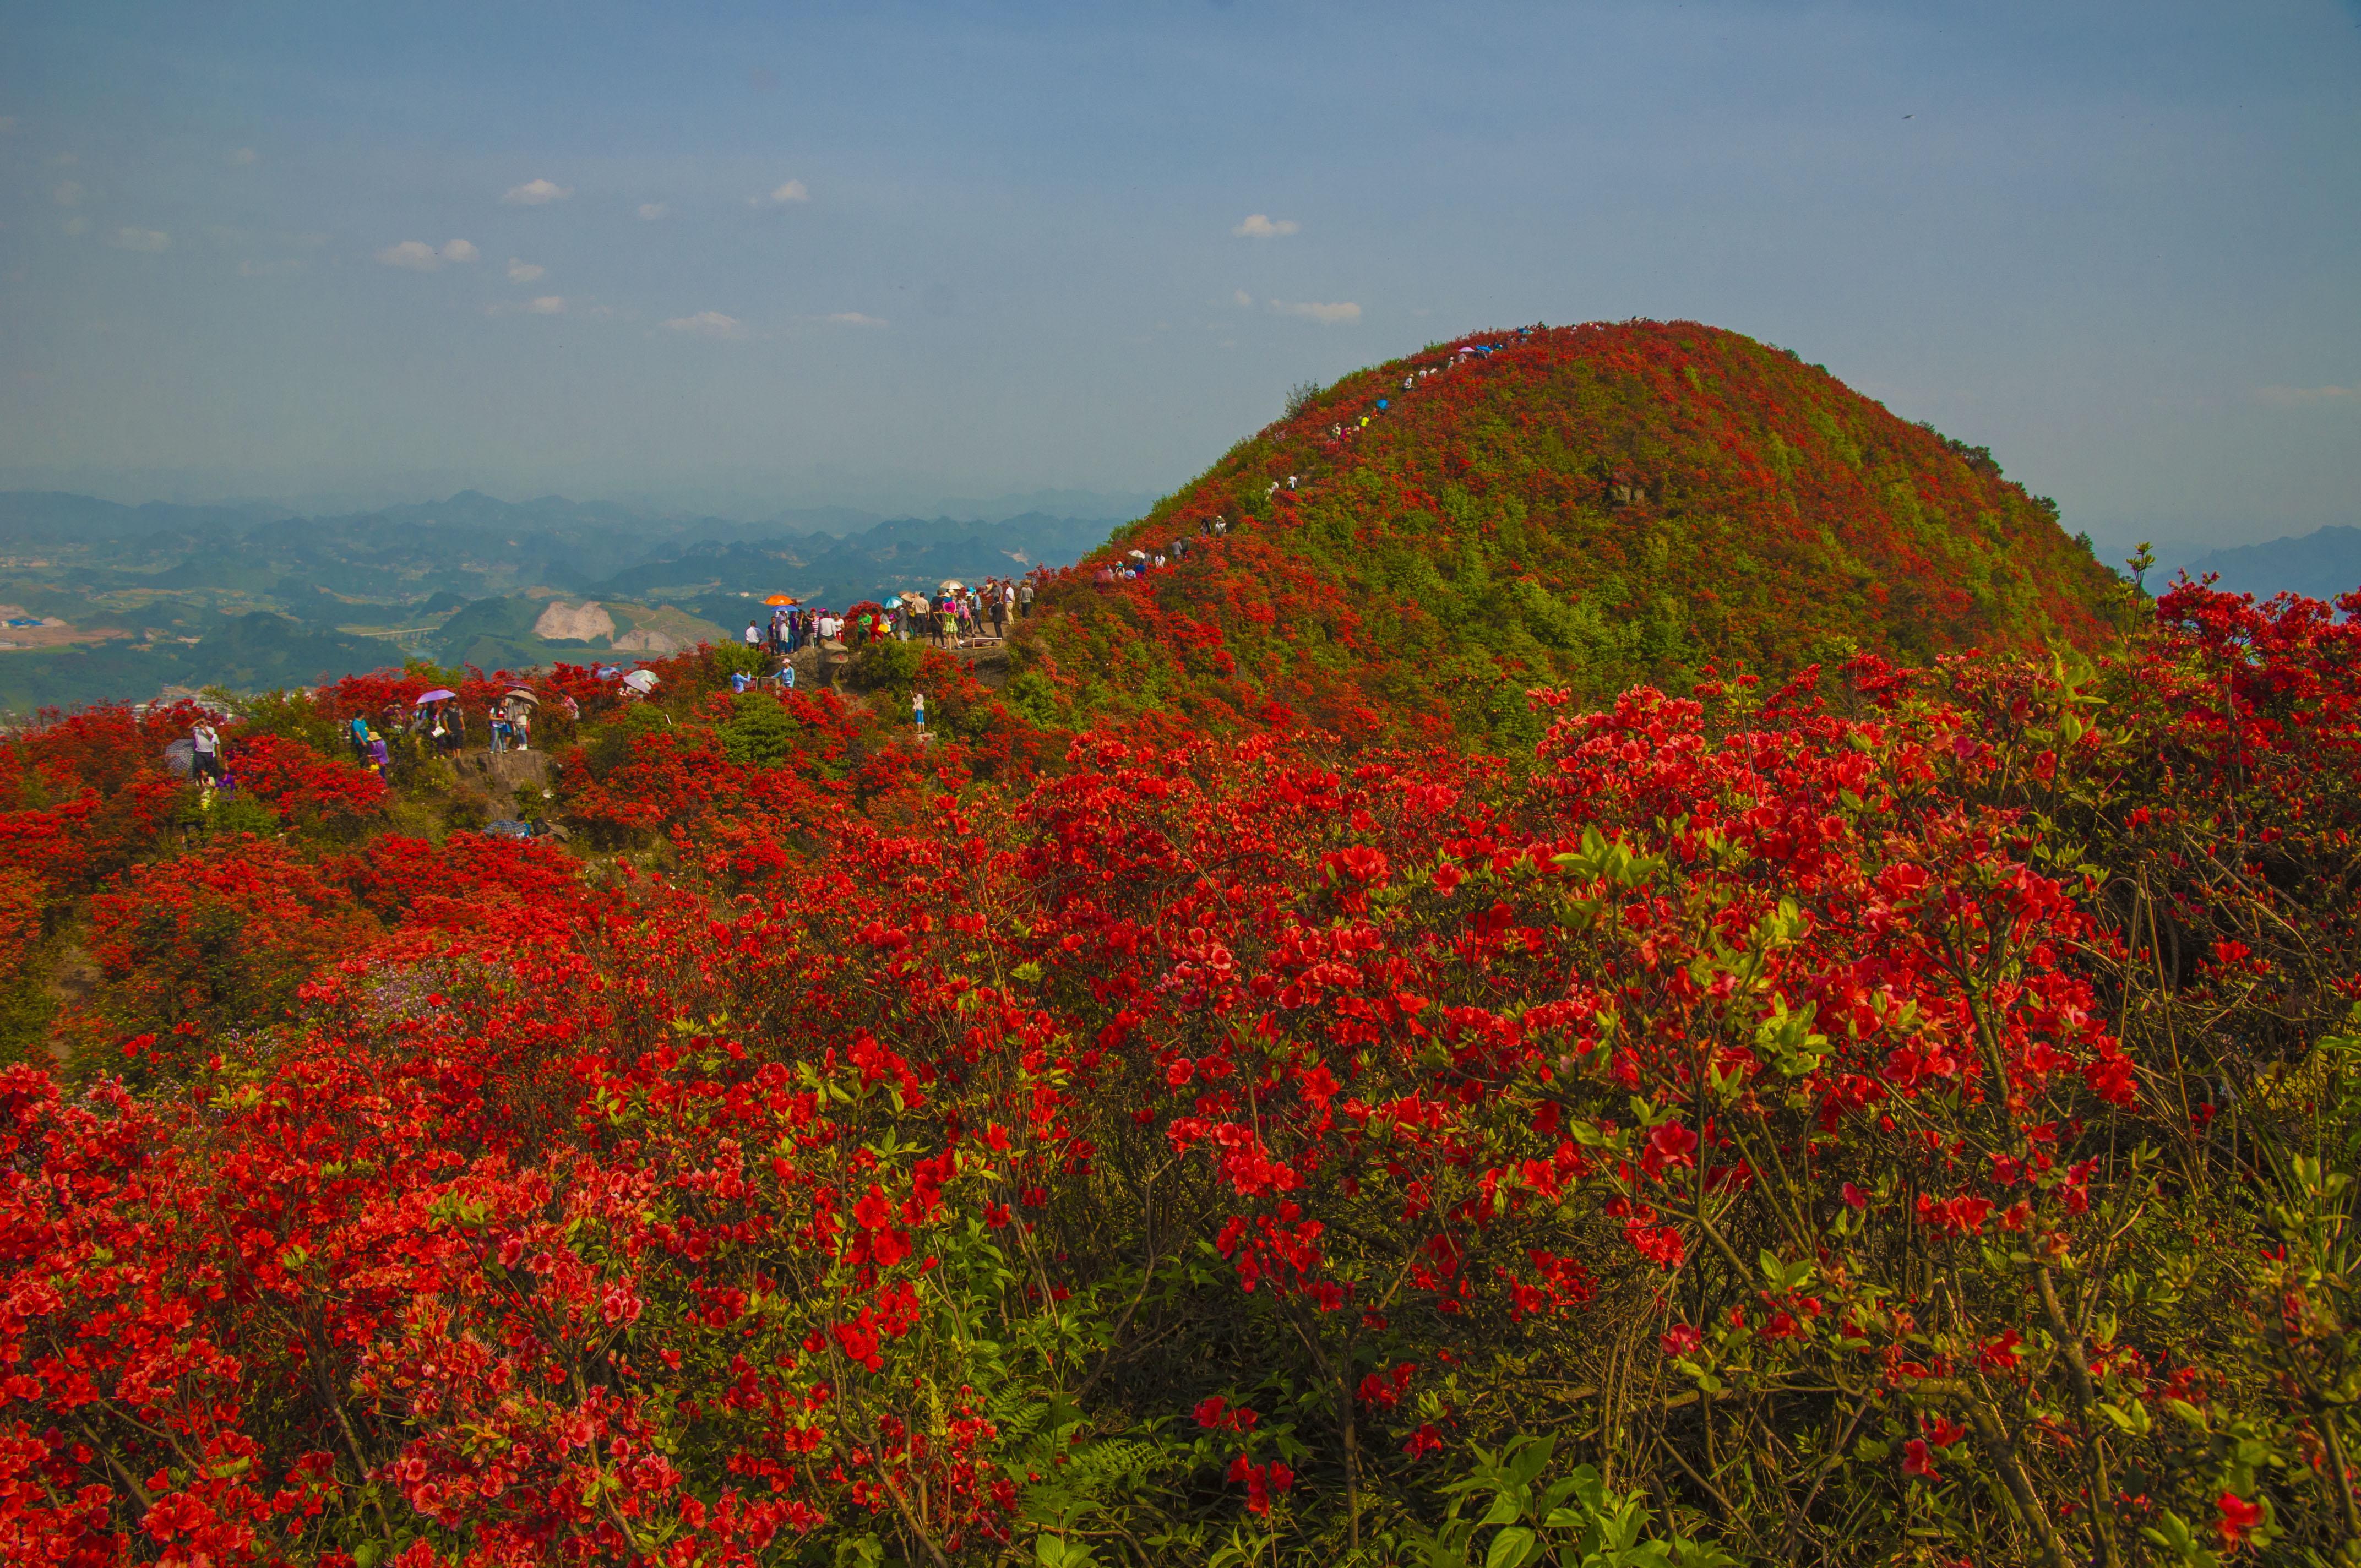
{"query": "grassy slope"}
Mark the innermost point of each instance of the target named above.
(1585, 506)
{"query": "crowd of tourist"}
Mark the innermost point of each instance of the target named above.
(952, 616)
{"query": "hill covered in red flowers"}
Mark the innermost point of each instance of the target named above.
(1902, 1112)
(1414, 547)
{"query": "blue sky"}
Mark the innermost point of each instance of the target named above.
(773, 255)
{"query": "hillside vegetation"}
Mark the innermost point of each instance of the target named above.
(1900, 1113)
(1586, 505)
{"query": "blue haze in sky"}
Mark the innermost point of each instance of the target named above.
(751, 256)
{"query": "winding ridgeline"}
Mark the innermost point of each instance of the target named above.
(1576, 505)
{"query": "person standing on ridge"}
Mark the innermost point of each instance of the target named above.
(918, 712)
(207, 744)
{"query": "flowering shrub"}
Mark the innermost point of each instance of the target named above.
(1903, 1110)
(213, 942)
(1588, 506)
(306, 789)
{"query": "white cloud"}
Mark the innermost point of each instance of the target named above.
(74, 224)
(537, 193)
(2292, 397)
(708, 323)
(549, 305)
(793, 191)
(244, 155)
(460, 250)
(1243, 297)
(524, 271)
(853, 318)
(650, 211)
(414, 254)
(1326, 315)
(140, 239)
(67, 193)
(1259, 225)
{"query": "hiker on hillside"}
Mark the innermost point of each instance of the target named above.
(753, 637)
(499, 730)
(918, 711)
(379, 758)
(358, 730)
(207, 758)
(521, 725)
(1025, 598)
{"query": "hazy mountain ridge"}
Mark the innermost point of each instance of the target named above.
(2320, 564)
(247, 596)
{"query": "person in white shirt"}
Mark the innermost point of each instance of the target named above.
(207, 742)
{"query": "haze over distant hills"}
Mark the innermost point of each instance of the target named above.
(2320, 564)
(251, 595)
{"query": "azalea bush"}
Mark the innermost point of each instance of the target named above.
(1586, 506)
(1892, 1114)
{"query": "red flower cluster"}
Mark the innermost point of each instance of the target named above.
(479, 1197)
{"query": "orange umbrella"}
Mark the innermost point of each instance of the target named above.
(783, 598)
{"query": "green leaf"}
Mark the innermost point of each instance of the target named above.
(1529, 1460)
(1513, 1547)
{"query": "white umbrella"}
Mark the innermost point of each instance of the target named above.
(641, 681)
(950, 584)
(524, 696)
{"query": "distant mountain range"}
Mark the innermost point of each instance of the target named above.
(2321, 565)
(252, 596)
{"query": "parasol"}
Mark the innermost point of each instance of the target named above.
(641, 681)
(783, 598)
(1137, 554)
(520, 693)
(950, 584)
(439, 694)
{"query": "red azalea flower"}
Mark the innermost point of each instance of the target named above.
(2238, 1517)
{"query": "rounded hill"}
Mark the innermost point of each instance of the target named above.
(1411, 549)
